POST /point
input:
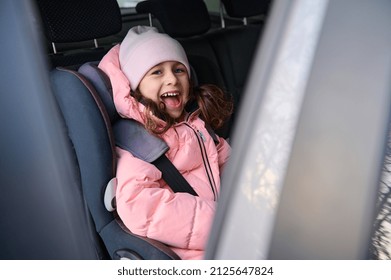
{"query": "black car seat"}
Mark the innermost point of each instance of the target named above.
(235, 45)
(73, 29)
(87, 120)
(245, 9)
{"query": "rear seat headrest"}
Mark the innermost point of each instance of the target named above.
(75, 21)
(246, 8)
(179, 18)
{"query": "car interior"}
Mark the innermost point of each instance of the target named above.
(59, 125)
(77, 35)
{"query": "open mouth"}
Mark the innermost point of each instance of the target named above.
(171, 99)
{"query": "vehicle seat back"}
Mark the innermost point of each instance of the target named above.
(235, 45)
(68, 23)
(246, 8)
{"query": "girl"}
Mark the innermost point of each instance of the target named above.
(150, 77)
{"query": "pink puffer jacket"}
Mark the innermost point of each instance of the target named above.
(145, 203)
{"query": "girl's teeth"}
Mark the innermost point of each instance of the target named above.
(169, 94)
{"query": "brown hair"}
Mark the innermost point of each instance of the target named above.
(214, 105)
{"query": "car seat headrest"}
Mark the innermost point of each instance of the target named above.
(246, 8)
(75, 21)
(178, 18)
(102, 84)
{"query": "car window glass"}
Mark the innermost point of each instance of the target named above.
(213, 5)
(128, 3)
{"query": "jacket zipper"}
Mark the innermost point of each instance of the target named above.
(201, 139)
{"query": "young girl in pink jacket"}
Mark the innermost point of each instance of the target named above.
(150, 77)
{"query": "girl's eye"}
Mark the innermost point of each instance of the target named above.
(156, 72)
(179, 70)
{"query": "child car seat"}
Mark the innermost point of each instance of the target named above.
(87, 122)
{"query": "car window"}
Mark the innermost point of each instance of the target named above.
(128, 3)
(213, 5)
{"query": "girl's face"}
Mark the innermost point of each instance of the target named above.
(167, 82)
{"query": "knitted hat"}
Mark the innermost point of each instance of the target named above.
(143, 48)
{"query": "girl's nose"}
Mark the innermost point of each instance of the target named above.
(170, 78)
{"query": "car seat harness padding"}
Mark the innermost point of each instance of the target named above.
(134, 138)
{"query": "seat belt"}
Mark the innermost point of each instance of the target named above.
(172, 176)
(134, 138)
